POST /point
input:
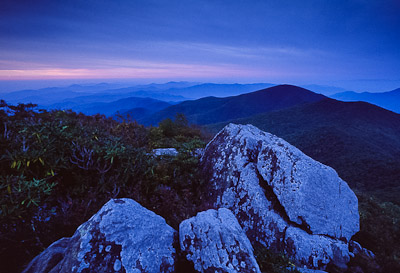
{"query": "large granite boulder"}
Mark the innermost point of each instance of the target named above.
(281, 197)
(122, 237)
(214, 241)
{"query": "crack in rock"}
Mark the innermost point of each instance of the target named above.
(122, 237)
(215, 242)
(281, 197)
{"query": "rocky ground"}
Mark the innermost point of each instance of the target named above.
(260, 190)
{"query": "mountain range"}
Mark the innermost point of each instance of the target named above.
(93, 99)
(360, 140)
(210, 110)
(389, 100)
(124, 106)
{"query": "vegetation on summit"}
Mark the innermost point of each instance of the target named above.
(57, 168)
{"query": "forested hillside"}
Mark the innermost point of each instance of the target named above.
(359, 140)
(212, 109)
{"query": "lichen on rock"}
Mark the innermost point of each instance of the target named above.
(122, 237)
(281, 197)
(214, 241)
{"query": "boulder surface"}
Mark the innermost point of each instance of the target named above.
(49, 258)
(122, 237)
(281, 197)
(214, 241)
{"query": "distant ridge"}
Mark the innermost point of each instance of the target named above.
(359, 140)
(389, 100)
(212, 110)
(217, 89)
(81, 97)
(122, 106)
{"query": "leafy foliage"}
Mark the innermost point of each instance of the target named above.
(272, 262)
(58, 168)
(380, 231)
(17, 194)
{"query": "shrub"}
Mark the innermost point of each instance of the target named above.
(272, 262)
(57, 168)
(17, 195)
(380, 231)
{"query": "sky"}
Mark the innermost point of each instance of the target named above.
(352, 44)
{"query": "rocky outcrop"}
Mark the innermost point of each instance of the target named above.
(262, 189)
(122, 237)
(215, 242)
(281, 197)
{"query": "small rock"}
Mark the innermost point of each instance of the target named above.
(198, 152)
(165, 152)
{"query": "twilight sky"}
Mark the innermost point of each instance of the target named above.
(353, 44)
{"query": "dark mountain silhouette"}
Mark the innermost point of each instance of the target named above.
(389, 100)
(359, 140)
(212, 110)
